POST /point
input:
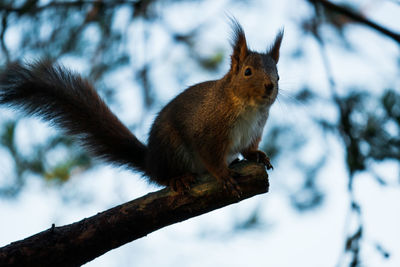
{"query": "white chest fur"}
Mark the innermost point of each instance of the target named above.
(248, 127)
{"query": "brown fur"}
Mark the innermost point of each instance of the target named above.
(217, 120)
(202, 130)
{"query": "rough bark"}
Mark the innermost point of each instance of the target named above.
(83, 241)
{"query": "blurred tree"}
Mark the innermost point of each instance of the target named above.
(96, 35)
(368, 124)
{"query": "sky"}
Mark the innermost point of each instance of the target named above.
(286, 237)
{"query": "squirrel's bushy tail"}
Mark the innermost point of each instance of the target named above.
(70, 102)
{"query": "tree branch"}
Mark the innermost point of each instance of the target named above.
(359, 18)
(67, 4)
(81, 242)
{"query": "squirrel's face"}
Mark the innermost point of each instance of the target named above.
(254, 76)
(256, 81)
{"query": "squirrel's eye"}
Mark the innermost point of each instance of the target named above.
(247, 72)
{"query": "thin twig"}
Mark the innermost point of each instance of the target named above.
(4, 24)
(338, 101)
(359, 18)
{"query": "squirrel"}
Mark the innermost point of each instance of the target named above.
(203, 129)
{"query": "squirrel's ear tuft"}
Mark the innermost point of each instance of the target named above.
(239, 45)
(273, 51)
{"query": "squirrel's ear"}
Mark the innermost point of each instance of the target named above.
(273, 51)
(239, 45)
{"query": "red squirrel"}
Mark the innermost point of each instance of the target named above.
(201, 130)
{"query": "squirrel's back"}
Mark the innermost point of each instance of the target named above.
(171, 138)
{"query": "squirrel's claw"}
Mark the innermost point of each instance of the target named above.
(182, 184)
(230, 184)
(259, 157)
(267, 163)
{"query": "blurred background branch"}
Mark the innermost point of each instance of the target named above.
(358, 18)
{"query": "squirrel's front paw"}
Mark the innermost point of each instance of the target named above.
(259, 157)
